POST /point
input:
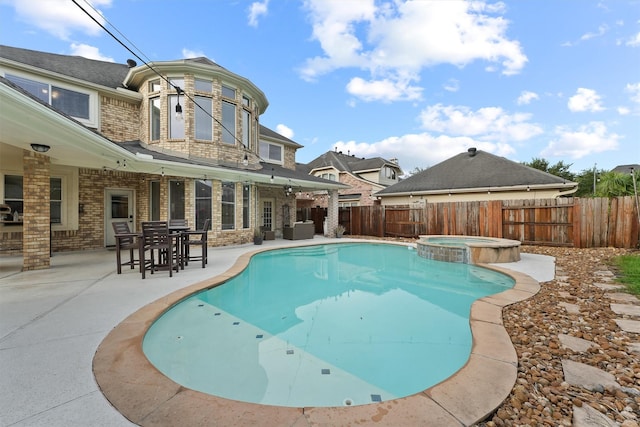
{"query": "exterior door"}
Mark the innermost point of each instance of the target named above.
(267, 214)
(119, 206)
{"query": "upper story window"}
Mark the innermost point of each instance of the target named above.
(389, 173)
(154, 118)
(155, 86)
(271, 152)
(202, 85)
(204, 122)
(329, 176)
(176, 82)
(228, 122)
(176, 122)
(246, 102)
(78, 104)
(228, 92)
(246, 127)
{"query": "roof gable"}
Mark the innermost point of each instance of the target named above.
(349, 163)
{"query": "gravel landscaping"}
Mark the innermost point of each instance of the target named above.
(570, 323)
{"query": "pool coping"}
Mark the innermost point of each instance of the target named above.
(147, 397)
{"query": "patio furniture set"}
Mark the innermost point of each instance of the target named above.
(160, 245)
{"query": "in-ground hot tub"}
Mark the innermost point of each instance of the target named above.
(468, 249)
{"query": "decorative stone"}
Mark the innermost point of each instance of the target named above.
(575, 344)
(586, 416)
(586, 376)
(629, 325)
(628, 309)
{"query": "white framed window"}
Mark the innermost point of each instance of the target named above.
(228, 92)
(228, 205)
(203, 200)
(176, 123)
(155, 86)
(204, 120)
(14, 198)
(228, 122)
(329, 176)
(154, 119)
(201, 85)
(246, 128)
(270, 152)
(78, 103)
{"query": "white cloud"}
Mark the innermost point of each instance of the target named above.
(452, 85)
(587, 139)
(383, 90)
(634, 90)
(420, 150)
(585, 100)
(256, 10)
(526, 97)
(284, 131)
(634, 41)
(188, 53)
(486, 124)
(90, 52)
(60, 17)
(623, 111)
(602, 29)
(394, 41)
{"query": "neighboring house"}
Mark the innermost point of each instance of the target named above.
(474, 176)
(627, 169)
(84, 143)
(363, 176)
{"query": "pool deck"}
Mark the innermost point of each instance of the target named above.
(53, 322)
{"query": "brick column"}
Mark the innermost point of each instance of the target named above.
(36, 238)
(332, 213)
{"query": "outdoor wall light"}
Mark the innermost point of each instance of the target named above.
(40, 148)
(245, 160)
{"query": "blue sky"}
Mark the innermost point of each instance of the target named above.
(419, 81)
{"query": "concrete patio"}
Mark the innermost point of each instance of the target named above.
(52, 321)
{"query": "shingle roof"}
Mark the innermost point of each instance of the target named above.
(348, 163)
(102, 73)
(466, 171)
(626, 168)
(266, 132)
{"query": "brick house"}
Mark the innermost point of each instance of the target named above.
(84, 143)
(363, 176)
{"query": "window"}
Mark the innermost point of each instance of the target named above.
(246, 102)
(329, 176)
(203, 203)
(154, 118)
(176, 200)
(389, 173)
(228, 92)
(176, 124)
(246, 128)
(55, 200)
(154, 85)
(228, 122)
(202, 85)
(154, 201)
(179, 82)
(228, 205)
(72, 102)
(204, 122)
(13, 196)
(271, 152)
(246, 206)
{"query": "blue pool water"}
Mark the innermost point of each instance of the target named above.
(326, 325)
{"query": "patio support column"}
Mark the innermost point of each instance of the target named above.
(332, 213)
(36, 231)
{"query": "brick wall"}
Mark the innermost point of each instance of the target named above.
(119, 120)
(35, 227)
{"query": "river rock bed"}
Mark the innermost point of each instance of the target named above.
(571, 320)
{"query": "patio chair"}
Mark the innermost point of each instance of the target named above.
(199, 239)
(126, 240)
(157, 240)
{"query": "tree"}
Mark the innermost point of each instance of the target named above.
(612, 184)
(559, 169)
(587, 183)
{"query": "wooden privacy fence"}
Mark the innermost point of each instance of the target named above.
(573, 222)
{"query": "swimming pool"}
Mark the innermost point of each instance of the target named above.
(326, 325)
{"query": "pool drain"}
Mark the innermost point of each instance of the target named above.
(348, 402)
